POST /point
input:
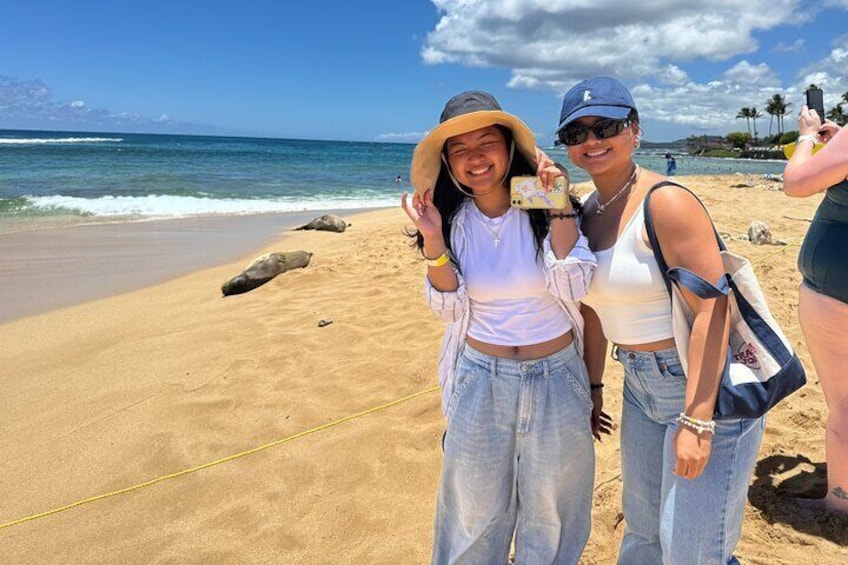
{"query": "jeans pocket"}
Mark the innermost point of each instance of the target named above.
(466, 374)
(580, 384)
(673, 370)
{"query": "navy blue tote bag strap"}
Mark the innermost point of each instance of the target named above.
(686, 278)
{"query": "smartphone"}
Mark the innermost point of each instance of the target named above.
(815, 101)
(527, 193)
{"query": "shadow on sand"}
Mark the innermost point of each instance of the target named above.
(784, 490)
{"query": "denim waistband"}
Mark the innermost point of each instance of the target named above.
(562, 357)
(624, 355)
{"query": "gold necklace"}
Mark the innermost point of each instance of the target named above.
(602, 208)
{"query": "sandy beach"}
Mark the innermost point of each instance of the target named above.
(168, 424)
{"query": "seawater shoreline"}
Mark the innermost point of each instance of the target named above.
(49, 267)
(138, 388)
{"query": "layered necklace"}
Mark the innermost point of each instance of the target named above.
(602, 208)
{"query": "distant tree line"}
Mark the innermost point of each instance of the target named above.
(777, 108)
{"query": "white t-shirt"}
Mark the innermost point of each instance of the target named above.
(510, 302)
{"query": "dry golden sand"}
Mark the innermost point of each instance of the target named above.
(114, 393)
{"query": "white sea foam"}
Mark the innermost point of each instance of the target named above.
(162, 206)
(57, 140)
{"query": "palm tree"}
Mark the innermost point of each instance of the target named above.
(770, 110)
(754, 115)
(837, 115)
(780, 108)
(745, 112)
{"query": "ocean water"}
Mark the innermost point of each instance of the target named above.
(49, 178)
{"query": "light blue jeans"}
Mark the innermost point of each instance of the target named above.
(672, 520)
(519, 458)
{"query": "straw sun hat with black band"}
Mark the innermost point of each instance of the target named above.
(463, 113)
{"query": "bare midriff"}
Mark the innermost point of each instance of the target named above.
(652, 346)
(523, 352)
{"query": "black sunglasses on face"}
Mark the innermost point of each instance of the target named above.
(576, 134)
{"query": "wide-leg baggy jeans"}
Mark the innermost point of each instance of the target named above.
(519, 458)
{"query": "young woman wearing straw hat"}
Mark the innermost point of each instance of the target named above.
(518, 452)
(685, 477)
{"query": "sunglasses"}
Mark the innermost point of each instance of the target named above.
(575, 135)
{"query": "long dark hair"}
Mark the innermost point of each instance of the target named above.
(447, 200)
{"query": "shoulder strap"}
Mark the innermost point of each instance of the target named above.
(686, 278)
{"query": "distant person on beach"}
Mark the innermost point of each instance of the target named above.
(670, 165)
(398, 179)
(823, 300)
(685, 476)
(518, 449)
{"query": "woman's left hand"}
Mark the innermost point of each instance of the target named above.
(601, 421)
(692, 452)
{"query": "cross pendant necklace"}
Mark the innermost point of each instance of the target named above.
(496, 234)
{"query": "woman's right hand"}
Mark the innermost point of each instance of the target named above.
(809, 122)
(423, 214)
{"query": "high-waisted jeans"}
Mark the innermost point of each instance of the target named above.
(519, 459)
(672, 520)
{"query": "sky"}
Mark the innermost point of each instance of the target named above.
(381, 70)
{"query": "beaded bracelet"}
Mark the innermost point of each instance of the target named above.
(696, 425)
(596, 386)
(563, 215)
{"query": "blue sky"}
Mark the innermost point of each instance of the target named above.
(381, 70)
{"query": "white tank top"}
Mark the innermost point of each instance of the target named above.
(510, 302)
(627, 291)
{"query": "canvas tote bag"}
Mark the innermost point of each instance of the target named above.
(761, 368)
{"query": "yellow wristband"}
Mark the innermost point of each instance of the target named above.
(438, 261)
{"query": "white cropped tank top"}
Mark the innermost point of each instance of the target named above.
(627, 291)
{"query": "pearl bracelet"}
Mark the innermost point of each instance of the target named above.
(807, 137)
(696, 425)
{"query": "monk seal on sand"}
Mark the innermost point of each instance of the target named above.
(263, 269)
(327, 222)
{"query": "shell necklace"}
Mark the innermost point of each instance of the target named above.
(602, 208)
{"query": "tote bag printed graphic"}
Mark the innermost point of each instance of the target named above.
(761, 368)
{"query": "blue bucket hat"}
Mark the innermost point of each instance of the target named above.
(601, 96)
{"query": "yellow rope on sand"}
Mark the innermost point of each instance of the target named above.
(267, 445)
(220, 461)
(781, 250)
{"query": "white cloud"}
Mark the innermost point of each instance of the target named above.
(795, 47)
(410, 137)
(548, 43)
(29, 104)
(649, 44)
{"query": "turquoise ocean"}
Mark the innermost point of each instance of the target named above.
(49, 178)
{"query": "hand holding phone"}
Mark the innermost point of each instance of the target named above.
(815, 101)
(527, 192)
